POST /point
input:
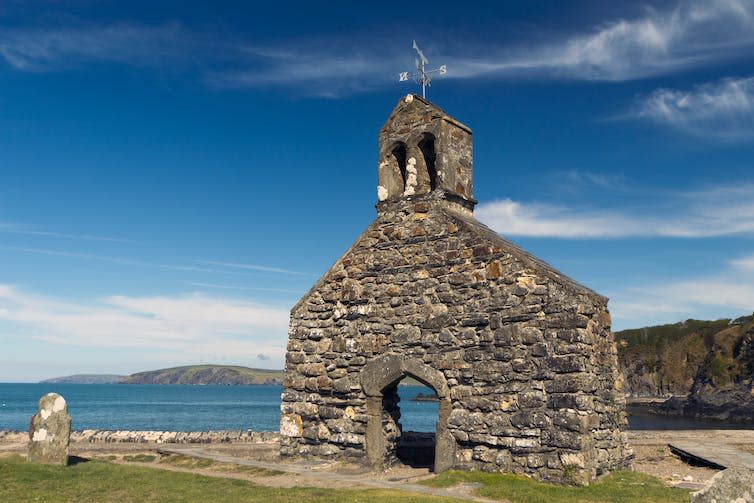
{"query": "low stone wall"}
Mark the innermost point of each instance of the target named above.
(158, 437)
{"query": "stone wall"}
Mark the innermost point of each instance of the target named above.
(414, 120)
(526, 353)
(521, 357)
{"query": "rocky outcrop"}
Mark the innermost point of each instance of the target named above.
(664, 360)
(708, 367)
(734, 485)
(735, 404)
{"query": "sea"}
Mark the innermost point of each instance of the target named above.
(211, 407)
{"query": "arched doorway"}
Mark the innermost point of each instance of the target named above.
(379, 380)
(415, 408)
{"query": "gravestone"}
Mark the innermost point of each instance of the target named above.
(50, 431)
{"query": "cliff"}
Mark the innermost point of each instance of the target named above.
(207, 374)
(708, 366)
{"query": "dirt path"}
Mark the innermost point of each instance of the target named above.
(400, 480)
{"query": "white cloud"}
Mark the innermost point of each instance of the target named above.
(540, 220)
(743, 263)
(662, 41)
(184, 326)
(726, 294)
(718, 211)
(719, 110)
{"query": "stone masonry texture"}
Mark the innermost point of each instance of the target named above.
(50, 431)
(521, 357)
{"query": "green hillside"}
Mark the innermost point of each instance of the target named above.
(207, 374)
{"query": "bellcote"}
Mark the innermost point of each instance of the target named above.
(423, 151)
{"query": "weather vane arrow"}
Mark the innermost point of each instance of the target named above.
(422, 76)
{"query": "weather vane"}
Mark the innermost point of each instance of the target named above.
(422, 76)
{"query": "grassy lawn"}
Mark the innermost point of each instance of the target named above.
(100, 481)
(103, 481)
(621, 487)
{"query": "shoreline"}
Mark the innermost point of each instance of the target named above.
(156, 437)
(736, 435)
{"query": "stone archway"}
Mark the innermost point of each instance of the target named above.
(385, 371)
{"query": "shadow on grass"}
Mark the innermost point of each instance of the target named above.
(75, 460)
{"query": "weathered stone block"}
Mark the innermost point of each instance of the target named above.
(50, 431)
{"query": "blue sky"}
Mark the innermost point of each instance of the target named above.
(174, 176)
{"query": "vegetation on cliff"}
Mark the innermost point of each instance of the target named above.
(710, 363)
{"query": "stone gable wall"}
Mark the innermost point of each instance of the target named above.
(526, 353)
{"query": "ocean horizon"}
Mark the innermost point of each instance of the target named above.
(175, 407)
(181, 407)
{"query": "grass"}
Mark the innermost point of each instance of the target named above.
(139, 458)
(100, 481)
(620, 487)
(192, 463)
(187, 461)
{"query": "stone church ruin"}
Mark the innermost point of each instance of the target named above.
(520, 356)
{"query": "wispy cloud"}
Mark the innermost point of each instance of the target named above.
(590, 179)
(662, 41)
(323, 72)
(242, 288)
(39, 49)
(253, 267)
(103, 258)
(722, 110)
(728, 293)
(190, 324)
(220, 267)
(717, 211)
(744, 263)
(9, 228)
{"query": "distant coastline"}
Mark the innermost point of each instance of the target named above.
(85, 379)
(229, 375)
(196, 375)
